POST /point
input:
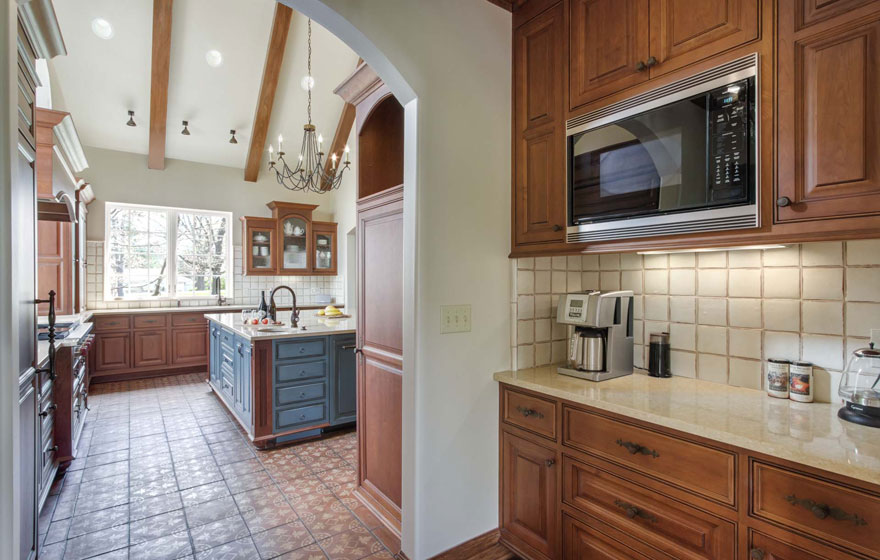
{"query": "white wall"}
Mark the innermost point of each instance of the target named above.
(124, 177)
(455, 57)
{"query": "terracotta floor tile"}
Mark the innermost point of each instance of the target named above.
(284, 538)
(353, 544)
(311, 552)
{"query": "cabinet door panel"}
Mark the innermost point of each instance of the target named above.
(814, 11)
(608, 40)
(687, 31)
(829, 123)
(540, 186)
(112, 351)
(150, 349)
(189, 346)
(538, 70)
(582, 542)
(528, 493)
(343, 382)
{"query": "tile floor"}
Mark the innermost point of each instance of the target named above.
(163, 472)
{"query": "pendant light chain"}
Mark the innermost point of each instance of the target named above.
(311, 173)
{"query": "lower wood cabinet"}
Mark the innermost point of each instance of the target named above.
(529, 501)
(139, 344)
(150, 349)
(575, 495)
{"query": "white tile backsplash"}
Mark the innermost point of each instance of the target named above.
(246, 289)
(726, 311)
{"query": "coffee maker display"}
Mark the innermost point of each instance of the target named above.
(600, 334)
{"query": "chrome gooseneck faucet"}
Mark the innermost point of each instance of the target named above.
(294, 313)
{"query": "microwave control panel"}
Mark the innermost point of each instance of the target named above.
(728, 142)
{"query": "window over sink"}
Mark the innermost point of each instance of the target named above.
(157, 252)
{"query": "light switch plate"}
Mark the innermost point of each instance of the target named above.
(455, 318)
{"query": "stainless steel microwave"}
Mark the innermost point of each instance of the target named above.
(678, 159)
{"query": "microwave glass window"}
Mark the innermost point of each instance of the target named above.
(685, 155)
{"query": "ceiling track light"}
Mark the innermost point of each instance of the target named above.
(185, 130)
(131, 119)
(233, 140)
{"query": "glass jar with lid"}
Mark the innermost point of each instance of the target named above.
(860, 388)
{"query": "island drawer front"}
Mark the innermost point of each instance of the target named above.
(689, 465)
(293, 417)
(187, 319)
(300, 393)
(298, 371)
(584, 542)
(846, 516)
(529, 412)
(152, 321)
(287, 350)
(112, 322)
(645, 515)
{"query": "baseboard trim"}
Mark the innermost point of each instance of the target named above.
(487, 546)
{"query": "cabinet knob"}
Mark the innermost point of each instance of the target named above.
(783, 201)
(756, 554)
(651, 62)
(557, 227)
(641, 66)
(550, 462)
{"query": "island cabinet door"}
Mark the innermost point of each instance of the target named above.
(528, 495)
(343, 380)
(242, 373)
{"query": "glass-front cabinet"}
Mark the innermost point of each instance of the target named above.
(258, 246)
(289, 243)
(324, 243)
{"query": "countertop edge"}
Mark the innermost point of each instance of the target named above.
(765, 448)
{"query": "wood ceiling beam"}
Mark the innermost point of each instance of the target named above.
(340, 137)
(271, 72)
(506, 4)
(161, 64)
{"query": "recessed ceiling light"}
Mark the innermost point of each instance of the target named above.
(102, 28)
(307, 83)
(214, 58)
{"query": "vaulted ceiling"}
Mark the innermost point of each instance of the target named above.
(101, 79)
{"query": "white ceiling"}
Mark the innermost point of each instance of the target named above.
(100, 80)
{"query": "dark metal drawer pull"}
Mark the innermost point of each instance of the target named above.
(550, 462)
(633, 512)
(756, 554)
(635, 448)
(822, 511)
(529, 412)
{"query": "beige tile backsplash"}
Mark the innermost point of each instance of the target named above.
(726, 311)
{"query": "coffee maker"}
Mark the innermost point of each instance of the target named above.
(600, 334)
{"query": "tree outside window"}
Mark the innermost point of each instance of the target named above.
(157, 252)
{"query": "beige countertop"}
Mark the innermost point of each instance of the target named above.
(310, 324)
(806, 433)
(191, 309)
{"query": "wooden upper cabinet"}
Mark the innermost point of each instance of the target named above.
(616, 44)
(687, 31)
(528, 494)
(259, 245)
(539, 137)
(609, 47)
(828, 116)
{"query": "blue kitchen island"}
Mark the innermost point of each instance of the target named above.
(284, 384)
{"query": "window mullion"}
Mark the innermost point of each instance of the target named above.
(171, 248)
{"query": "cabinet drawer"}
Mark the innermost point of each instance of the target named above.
(692, 466)
(112, 322)
(150, 321)
(188, 319)
(832, 512)
(300, 349)
(583, 542)
(528, 412)
(299, 393)
(293, 417)
(660, 522)
(289, 373)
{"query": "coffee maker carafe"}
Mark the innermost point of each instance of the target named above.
(600, 334)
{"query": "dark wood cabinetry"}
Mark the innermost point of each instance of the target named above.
(150, 349)
(529, 502)
(539, 129)
(828, 111)
(600, 485)
(189, 346)
(112, 351)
